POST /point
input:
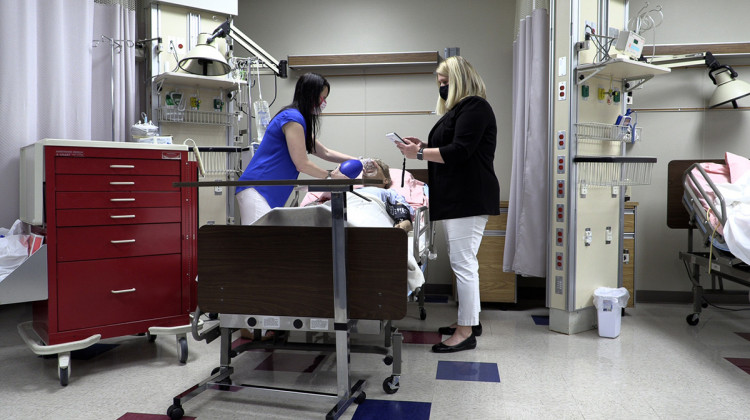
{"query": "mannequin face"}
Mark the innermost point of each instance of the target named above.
(379, 175)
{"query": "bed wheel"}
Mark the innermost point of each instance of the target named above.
(182, 349)
(391, 385)
(175, 412)
(359, 399)
(63, 373)
(693, 319)
(422, 314)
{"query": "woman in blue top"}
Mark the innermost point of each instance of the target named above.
(289, 138)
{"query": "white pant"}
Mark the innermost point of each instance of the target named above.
(252, 205)
(463, 236)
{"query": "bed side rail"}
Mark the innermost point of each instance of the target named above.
(693, 204)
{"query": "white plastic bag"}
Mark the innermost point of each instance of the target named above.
(14, 248)
(619, 295)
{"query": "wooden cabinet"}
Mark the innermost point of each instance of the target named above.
(120, 239)
(628, 250)
(494, 284)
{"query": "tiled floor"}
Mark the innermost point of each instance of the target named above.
(658, 368)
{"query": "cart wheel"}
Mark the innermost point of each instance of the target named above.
(693, 319)
(182, 349)
(151, 337)
(388, 360)
(225, 383)
(391, 385)
(63, 373)
(175, 412)
(422, 314)
(359, 399)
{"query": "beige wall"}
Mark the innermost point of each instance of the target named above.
(683, 135)
(483, 31)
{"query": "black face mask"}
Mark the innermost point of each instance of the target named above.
(444, 92)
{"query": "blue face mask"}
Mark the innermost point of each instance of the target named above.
(444, 92)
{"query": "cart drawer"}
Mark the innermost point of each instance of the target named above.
(96, 242)
(114, 200)
(115, 183)
(105, 292)
(72, 165)
(94, 217)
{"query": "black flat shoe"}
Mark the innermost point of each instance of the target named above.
(476, 330)
(468, 344)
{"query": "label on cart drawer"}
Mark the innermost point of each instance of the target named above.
(271, 322)
(319, 324)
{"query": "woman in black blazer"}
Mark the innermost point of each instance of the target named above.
(464, 190)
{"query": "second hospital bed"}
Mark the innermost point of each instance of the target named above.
(716, 196)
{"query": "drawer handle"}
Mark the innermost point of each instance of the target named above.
(123, 241)
(122, 183)
(116, 200)
(122, 216)
(117, 292)
(122, 166)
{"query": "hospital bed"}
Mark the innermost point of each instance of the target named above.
(421, 238)
(696, 203)
(303, 270)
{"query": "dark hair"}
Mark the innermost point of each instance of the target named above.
(307, 101)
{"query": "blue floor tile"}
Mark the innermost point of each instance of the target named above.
(468, 371)
(392, 410)
(541, 319)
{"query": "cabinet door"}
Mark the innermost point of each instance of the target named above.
(628, 269)
(494, 284)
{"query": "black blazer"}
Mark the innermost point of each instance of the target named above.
(465, 185)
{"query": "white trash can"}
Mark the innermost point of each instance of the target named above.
(609, 303)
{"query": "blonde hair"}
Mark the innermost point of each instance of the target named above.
(463, 81)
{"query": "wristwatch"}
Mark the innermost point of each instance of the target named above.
(420, 153)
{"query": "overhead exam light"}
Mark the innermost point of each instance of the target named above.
(728, 88)
(204, 59)
(228, 29)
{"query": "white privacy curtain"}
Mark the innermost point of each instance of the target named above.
(53, 85)
(45, 82)
(526, 233)
(115, 20)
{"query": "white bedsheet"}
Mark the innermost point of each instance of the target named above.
(737, 228)
(363, 213)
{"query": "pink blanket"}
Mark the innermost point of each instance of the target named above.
(736, 166)
(413, 190)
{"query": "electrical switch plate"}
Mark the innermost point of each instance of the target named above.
(559, 237)
(626, 256)
(560, 188)
(561, 213)
(560, 164)
(588, 237)
(608, 235)
(559, 261)
(561, 138)
(615, 191)
(562, 66)
(584, 190)
(562, 91)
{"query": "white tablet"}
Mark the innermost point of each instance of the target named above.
(395, 138)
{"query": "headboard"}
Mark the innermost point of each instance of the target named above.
(677, 216)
